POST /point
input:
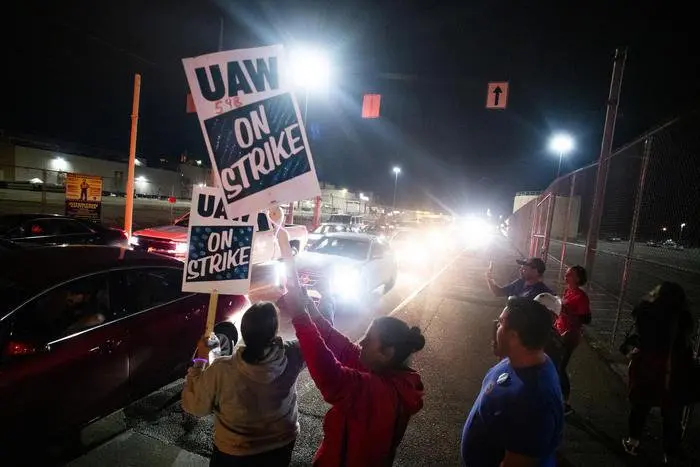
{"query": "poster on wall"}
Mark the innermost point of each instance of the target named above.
(252, 128)
(84, 196)
(218, 254)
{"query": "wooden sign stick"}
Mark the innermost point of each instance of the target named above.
(211, 313)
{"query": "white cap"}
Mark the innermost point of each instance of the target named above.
(552, 302)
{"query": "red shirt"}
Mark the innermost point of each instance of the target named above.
(575, 305)
(363, 416)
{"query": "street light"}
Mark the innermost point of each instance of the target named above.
(680, 235)
(310, 69)
(561, 144)
(397, 171)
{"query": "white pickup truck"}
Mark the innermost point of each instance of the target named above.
(171, 240)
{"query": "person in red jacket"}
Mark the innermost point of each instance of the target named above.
(575, 312)
(370, 387)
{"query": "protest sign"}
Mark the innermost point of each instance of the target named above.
(84, 196)
(219, 254)
(252, 128)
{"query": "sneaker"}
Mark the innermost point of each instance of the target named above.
(630, 446)
(568, 410)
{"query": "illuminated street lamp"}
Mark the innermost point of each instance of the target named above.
(310, 69)
(561, 144)
(680, 235)
(397, 171)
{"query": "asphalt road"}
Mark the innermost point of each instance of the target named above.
(159, 417)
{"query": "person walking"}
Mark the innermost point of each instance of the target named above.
(575, 312)
(529, 285)
(251, 393)
(371, 389)
(517, 418)
(660, 365)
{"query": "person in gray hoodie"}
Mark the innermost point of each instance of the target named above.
(251, 393)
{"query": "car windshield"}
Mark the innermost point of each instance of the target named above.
(349, 248)
(341, 219)
(324, 229)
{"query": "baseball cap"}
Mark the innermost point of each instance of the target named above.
(551, 302)
(535, 263)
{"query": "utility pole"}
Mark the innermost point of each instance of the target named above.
(129, 210)
(604, 159)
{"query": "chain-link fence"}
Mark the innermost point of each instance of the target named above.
(649, 231)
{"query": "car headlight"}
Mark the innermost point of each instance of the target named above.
(134, 241)
(346, 283)
(181, 248)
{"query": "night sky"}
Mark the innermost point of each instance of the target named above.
(68, 73)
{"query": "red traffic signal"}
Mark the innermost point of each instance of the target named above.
(171, 199)
(370, 105)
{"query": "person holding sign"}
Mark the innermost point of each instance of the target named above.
(252, 393)
(372, 391)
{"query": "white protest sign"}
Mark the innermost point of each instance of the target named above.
(219, 253)
(253, 128)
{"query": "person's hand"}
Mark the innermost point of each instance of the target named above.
(205, 345)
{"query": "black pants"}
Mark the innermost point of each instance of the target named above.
(280, 457)
(570, 345)
(671, 416)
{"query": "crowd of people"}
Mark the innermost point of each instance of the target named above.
(516, 420)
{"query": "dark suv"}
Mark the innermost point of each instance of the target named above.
(85, 330)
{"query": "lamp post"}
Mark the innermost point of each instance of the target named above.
(397, 171)
(311, 71)
(561, 144)
(680, 234)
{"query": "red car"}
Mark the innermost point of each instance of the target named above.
(86, 330)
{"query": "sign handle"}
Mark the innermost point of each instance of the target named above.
(211, 314)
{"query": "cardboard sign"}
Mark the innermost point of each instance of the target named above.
(252, 128)
(219, 254)
(84, 196)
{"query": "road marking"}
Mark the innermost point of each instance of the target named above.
(413, 295)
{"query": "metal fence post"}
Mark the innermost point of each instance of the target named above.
(548, 225)
(604, 160)
(565, 236)
(633, 233)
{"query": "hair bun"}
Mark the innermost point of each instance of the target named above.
(416, 338)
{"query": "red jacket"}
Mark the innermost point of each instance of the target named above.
(363, 423)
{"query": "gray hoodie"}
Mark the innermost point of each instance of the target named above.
(255, 406)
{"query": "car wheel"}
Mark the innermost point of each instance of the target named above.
(228, 337)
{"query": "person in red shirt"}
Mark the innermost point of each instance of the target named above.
(372, 391)
(575, 312)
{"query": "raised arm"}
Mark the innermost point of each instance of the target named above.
(346, 351)
(335, 380)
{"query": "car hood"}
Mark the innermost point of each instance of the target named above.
(314, 236)
(318, 263)
(168, 232)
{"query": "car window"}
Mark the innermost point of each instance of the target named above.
(69, 226)
(39, 228)
(150, 287)
(65, 310)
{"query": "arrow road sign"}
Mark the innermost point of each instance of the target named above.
(497, 95)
